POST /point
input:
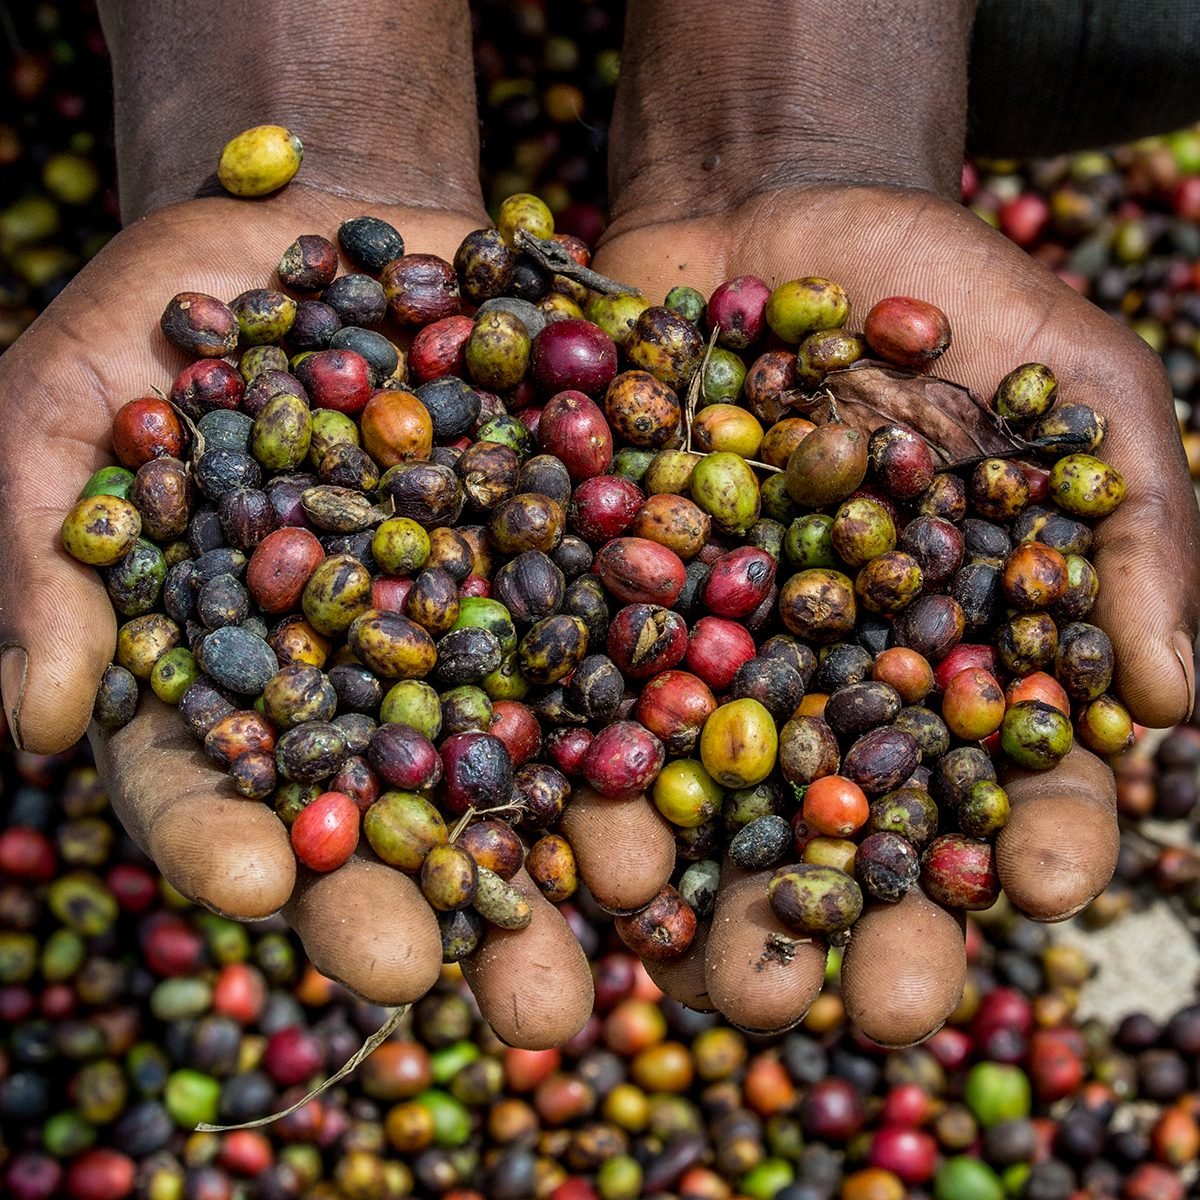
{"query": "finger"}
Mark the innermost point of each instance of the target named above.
(1148, 550)
(1147, 556)
(230, 854)
(904, 970)
(624, 849)
(533, 985)
(1059, 848)
(684, 980)
(759, 974)
(368, 926)
(57, 627)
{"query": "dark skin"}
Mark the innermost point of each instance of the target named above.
(714, 175)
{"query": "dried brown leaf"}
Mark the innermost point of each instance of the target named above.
(958, 427)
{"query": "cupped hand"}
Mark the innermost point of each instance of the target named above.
(905, 965)
(95, 348)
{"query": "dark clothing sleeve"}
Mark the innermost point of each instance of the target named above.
(1048, 76)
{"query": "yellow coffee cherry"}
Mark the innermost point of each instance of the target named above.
(259, 161)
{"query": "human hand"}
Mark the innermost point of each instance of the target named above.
(95, 348)
(905, 965)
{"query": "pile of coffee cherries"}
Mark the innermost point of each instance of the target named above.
(128, 1015)
(436, 597)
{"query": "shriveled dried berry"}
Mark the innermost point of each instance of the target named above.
(203, 705)
(500, 902)
(540, 792)
(881, 760)
(937, 545)
(773, 682)
(222, 601)
(1068, 429)
(931, 625)
(420, 289)
(477, 772)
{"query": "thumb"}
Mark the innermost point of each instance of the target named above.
(1059, 848)
(57, 628)
(1147, 603)
(1148, 550)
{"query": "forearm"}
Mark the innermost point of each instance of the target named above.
(718, 102)
(381, 92)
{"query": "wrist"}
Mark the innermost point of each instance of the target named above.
(870, 92)
(386, 118)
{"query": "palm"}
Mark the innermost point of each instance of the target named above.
(95, 348)
(905, 965)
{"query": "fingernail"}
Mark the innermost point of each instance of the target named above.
(14, 668)
(1186, 655)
